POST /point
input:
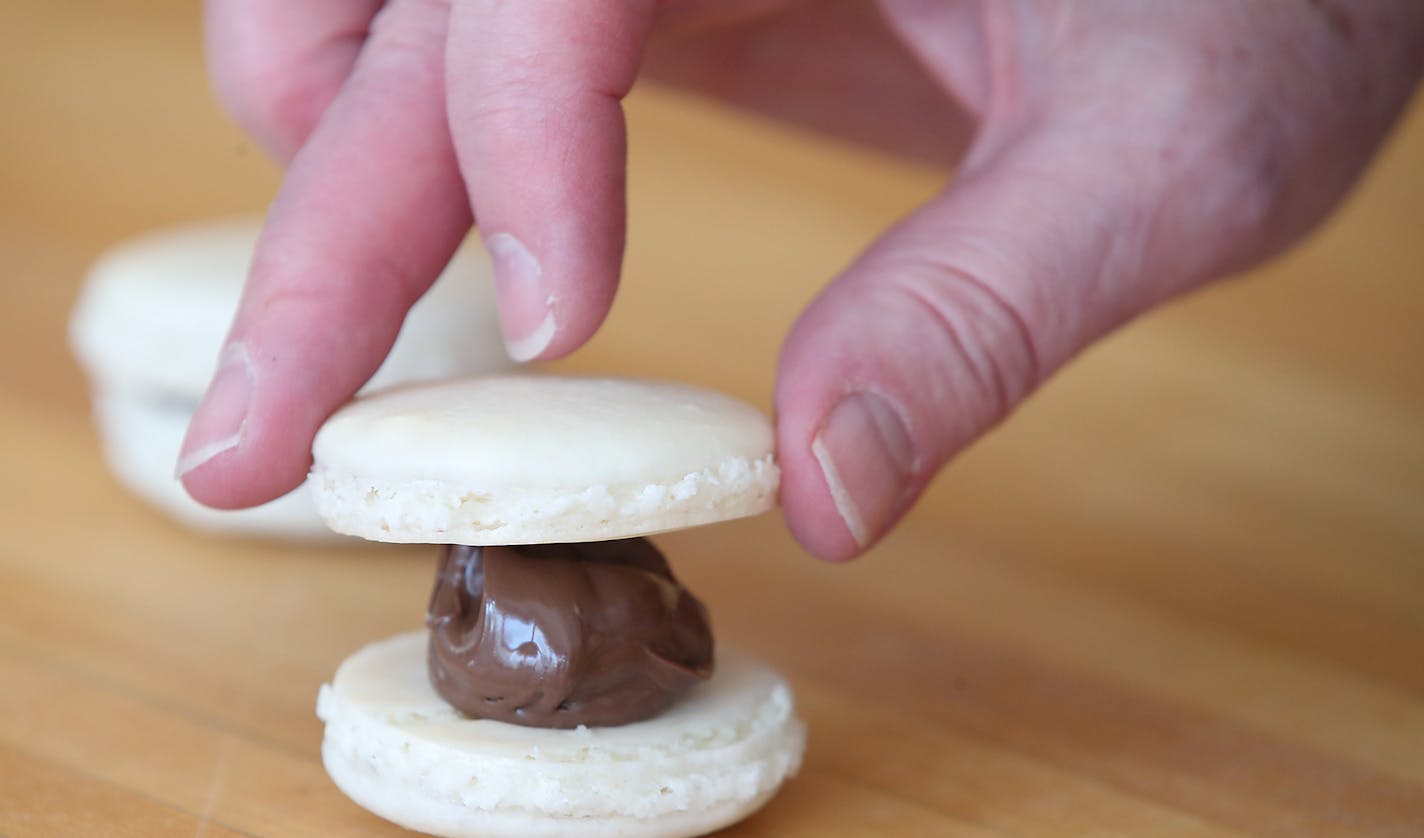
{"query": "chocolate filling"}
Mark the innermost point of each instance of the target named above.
(562, 635)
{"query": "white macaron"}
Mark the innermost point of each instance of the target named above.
(396, 748)
(529, 459)
(533, 459)
(151, 320)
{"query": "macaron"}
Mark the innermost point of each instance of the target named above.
(524, 459)
(152, 317)
(549, 460)
(397, 749)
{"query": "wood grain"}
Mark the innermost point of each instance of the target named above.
(1181, 592)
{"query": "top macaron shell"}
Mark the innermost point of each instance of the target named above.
(526, 459)
(155, 311)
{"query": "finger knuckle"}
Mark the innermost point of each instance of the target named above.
(982, 348)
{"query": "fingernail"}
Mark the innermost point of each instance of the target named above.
(865, 455)
(526, 309)
(221, 418)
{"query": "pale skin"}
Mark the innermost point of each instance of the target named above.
(1111, 154)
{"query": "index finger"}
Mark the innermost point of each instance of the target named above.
(371, 210)
(276, 65)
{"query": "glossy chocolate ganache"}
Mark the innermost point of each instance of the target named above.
(562, 635)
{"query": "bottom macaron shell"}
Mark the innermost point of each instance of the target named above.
(394, 747)
(439, 817)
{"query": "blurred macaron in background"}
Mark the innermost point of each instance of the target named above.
(150, 323)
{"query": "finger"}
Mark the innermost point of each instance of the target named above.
(370, 212)
(535, 111)
(276, 64)
(948, 322)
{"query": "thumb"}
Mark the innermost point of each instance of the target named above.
(938, 331)
(1088, 197)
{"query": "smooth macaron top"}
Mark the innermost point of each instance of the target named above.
(155, 310)
(532, 458)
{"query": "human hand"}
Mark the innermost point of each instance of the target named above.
(1118, 153)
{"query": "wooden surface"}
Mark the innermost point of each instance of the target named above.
(1180, 593)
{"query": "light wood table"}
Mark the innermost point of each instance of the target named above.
(1180, 592)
